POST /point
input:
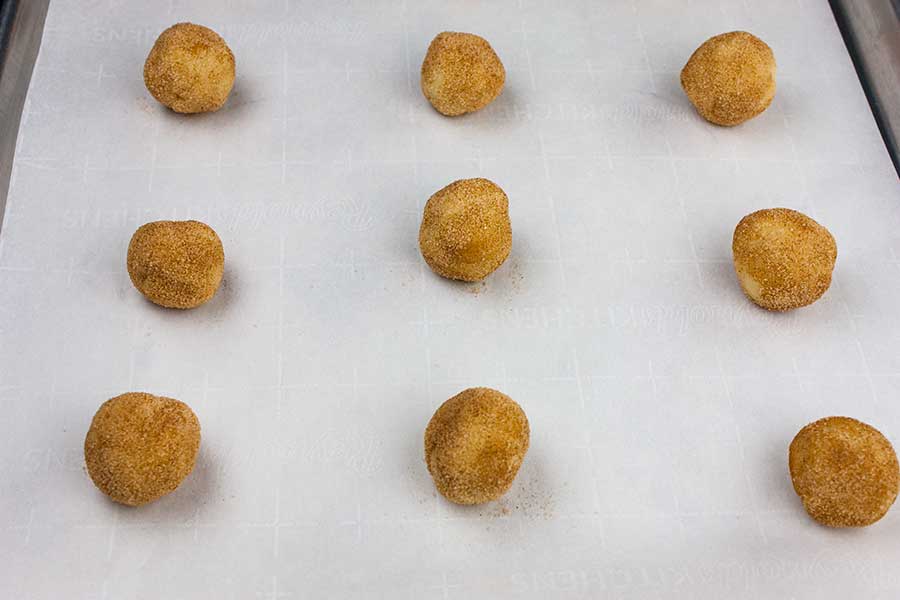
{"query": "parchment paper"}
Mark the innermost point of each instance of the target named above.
(661, 401)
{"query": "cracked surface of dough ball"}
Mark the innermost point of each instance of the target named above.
(466, 233)
(461, 73)
(783, 259)
(730, 78)
(474, 445)
(845, 471)
(140, 447)
(176, 264)
(190, 69)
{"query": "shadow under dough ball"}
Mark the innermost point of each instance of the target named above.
(845, 471)
(730, 78)
(190, 69)
(140, 447)
(466, 233)
(176, 264)
(461, 73)
(783, 259)
(474, 445)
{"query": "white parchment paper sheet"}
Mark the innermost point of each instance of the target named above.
(661, 401)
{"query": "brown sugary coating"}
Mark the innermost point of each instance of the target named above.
(845, 471)
(465, 232)
(176, 264)
(461, 73)
(730, 78)
(190, 69)
(140, 447)
(783, 259)
(475, 444)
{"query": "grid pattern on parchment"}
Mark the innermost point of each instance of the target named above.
(661, 401)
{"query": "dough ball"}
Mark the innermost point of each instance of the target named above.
(461, 73)
(845, 472)
(474, 445)
(783, 259)
(465, 232)
(730, 78)
(176, 264)
(190, 69)
(140, 447)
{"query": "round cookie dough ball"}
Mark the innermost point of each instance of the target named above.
(730, 78)
(783, 259)
(176, 264)
(845, 472)
(190, 69)
(465, 232)
(461, 73)
(474, 445)
(140, 447)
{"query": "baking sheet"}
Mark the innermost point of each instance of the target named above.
(661, 401)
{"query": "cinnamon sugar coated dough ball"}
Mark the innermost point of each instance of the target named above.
(465, 232)
(845, 472)
(474, 445)
(140, 447)
(461, 73)
(190, 69)
(730, 78)
(783, 259)
(176, 264)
